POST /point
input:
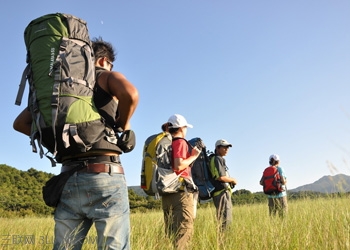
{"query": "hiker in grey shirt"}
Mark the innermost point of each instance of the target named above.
(223, 183)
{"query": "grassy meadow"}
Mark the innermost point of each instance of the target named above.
(322, 223)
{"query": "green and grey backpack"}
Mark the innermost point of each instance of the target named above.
(61, 75)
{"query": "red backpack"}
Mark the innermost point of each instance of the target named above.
(271, 181)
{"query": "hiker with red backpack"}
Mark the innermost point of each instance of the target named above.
(274, 183)
(96, 191)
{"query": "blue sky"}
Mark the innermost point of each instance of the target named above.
(268, 76)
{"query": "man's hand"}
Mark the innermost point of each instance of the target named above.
(233, 183)
(195, 151)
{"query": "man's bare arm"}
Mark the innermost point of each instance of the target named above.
(127, 96)
(23, 122)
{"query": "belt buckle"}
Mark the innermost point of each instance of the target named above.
(114, 169)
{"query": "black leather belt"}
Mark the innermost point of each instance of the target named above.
(97, 168)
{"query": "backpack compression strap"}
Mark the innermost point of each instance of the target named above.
(25, 76)
(22, 85)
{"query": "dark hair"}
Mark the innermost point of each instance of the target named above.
(272, 162)
(172, 130)
(103, 49)
(165, 127)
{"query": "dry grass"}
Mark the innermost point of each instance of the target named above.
(310, 224)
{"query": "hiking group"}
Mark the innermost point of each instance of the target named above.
(80, 111)
(183, 172)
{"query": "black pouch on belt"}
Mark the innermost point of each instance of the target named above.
(53, 188)
(127, 141)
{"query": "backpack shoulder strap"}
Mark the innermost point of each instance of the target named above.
(179, 138)
(280, 173)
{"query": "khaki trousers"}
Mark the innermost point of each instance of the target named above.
(179, 218)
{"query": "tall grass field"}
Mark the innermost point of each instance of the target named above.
(322, 223)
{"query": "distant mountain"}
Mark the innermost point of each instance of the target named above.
(327, 184)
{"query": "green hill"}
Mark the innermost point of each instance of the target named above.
(20, 192)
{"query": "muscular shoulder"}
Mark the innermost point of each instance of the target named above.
(110, 82)
(108, 77)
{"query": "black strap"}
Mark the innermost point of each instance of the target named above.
(178, 138)
(94, 159)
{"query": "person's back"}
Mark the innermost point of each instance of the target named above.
(277, 202)
(98, 192)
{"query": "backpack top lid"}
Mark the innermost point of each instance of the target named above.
(57, 24)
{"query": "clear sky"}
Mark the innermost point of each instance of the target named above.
(268, 76)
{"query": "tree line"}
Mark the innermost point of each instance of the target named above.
(21, 195)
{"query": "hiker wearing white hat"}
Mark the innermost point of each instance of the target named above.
(223, 183)
(178, 208)
(274, 182)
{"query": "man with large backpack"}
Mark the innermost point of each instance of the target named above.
(97, 191)
(223, 184)
(274, 183)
